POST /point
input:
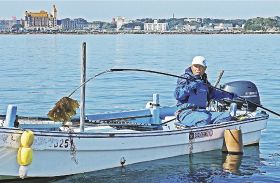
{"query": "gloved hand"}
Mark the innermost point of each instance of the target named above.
(232, 96)
(195, 84)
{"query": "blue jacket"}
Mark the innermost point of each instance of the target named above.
(195, 91)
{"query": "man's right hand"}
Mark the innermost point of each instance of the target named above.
(195, 84)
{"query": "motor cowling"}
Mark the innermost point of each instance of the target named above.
(246, 90)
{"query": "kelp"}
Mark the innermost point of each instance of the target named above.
(64, 110)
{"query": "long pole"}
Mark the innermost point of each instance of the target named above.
(83, 88)
(173, 75)
(219, 78)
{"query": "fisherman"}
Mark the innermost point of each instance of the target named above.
(194, 94)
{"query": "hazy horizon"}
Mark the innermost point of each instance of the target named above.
(158, 9)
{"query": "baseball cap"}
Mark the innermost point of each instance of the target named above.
(200, 60)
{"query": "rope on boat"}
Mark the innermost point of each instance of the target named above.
(191, 139)
(73, 149)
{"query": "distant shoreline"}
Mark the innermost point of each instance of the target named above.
(147, 33)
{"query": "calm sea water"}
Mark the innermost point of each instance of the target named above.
(37, 70)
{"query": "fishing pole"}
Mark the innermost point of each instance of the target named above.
(219, 78)
(177, 76)
(65, 108)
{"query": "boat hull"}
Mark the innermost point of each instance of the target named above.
(65, 153)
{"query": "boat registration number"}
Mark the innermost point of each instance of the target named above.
(200, 134)
(63, 143)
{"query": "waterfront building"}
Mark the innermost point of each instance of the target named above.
(179, 28)
(119, 22)
(223, 26)
(277, 18)
(137, 28)
(41, 20)
(155, 27)
(207, 28)
(199, 20)
(95, 26)
(191, 27)
(67, 24)
(76, 24)
(8, 25)
(5, 25)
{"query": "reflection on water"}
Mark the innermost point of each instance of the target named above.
(232, 162)
(213, 166)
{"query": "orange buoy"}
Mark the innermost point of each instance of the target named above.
(233, 143)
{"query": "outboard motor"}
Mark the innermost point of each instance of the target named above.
(246, 90)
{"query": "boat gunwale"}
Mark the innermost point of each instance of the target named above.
(133, 134)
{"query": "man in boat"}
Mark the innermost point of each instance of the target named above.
(194, 94)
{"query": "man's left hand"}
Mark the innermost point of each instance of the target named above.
(233, 96)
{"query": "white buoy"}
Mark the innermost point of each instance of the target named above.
(22, 172)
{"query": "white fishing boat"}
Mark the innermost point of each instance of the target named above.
(117, 139)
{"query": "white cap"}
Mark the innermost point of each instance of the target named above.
(200, 60)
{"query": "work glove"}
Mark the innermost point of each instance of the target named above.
(232, 96)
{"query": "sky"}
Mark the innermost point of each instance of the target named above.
(105, 10)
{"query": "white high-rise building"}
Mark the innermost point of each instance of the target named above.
(120, 21)
(155, 27)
